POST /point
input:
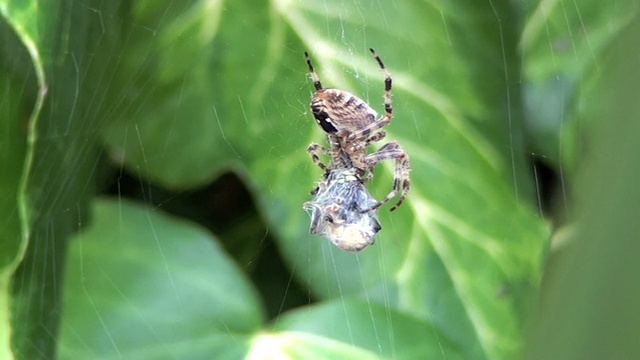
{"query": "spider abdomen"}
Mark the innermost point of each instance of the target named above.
(337, 110)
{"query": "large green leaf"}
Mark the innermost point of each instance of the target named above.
(382, 332)
(562, 48)
(13, 146)
(52, 126)
(592, 288)
(161, 288)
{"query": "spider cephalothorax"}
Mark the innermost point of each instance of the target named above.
(351, 126)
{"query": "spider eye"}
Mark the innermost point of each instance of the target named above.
(328, 218)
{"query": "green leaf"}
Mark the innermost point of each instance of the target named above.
(13, 147)
(562, 46)
(299, 345)
(466, 250)
(161, 288)
(384, 333)
(166, 114)
(592, 289)
(54, 152)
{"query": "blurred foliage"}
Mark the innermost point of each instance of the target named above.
(155, 100)
(592, 288)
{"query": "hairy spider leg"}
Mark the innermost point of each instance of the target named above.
(375, 138)
(314, 76)
(315, 150)
(401, 182)
(339, 157)
(388, 105)
(347, 154)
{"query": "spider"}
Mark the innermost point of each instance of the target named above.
(351, 126)
(338, 211)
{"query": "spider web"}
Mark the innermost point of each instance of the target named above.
(157, 152)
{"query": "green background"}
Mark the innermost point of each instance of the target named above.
(169, 97)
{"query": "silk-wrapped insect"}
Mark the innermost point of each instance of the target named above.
(344, 211)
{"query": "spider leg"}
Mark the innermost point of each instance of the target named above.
(375, 138)
(314, 151)
(365, 133)
(401, 182)
(316, 80)
(343, 142)
(388, 105)
(357, 154)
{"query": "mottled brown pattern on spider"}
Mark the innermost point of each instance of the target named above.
(352, 126)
